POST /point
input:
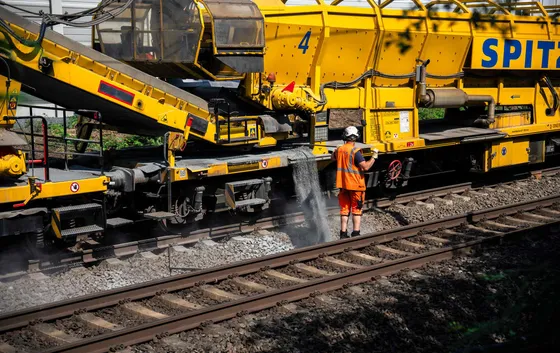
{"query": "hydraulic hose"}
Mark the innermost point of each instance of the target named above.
(374, 73)
(555, 97)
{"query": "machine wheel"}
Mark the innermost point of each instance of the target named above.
(394, 169)
(390, 180)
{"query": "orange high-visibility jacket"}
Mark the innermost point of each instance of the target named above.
(348, 176)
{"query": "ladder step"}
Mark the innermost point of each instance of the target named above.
(118, 222)
(248, 182)
(81, 230)
(159, 215)
(256, 191)
(242, 119)
(238, 139)
(88, 207)
(250, 202)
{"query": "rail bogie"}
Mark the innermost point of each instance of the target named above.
(446, 93)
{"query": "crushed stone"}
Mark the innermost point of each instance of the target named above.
(504, 299)
(26, 292)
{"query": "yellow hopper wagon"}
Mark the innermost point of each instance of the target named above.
(237, 89)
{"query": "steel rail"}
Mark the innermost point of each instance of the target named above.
(188, 321)
(97, 254)
(104, 299)
(421, 195)
(255, 303)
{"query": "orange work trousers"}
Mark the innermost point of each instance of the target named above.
(351, 201)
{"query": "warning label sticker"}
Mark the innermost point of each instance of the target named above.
(405, 121)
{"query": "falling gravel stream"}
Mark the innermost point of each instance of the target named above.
(310, 196)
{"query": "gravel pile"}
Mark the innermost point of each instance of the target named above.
(502, 300)
(28, 292)
(451, 205)
(508, 194)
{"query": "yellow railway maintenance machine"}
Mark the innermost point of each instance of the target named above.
(268, 79)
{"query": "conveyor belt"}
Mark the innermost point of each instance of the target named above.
(68, 43)
(75, 83)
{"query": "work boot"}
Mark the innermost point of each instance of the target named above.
(356, 233)
(343, 235)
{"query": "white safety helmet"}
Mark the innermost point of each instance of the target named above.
(350, 133)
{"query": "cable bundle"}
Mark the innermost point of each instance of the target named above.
(100, 14)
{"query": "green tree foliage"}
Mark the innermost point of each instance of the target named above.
(118, 142)
(111, 140)
(430, 113)
(483, 18)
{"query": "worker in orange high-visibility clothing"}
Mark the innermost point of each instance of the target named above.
(350, 166)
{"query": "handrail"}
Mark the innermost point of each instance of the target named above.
(481, 3)
(551, 7)
(456, 2)
(416, 2)
(337, 2)
(95, 116)
(319, 2)
(33, 160)
(530, 6)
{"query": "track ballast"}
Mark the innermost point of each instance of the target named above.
(217, 294)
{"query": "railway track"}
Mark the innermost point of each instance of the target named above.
(91, 252)
(113, 320)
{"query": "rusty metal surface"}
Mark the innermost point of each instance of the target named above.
(104, 299)
(232, 227)
(422, 195)
(513, 209)
(102, 252)
(187, 321)
(95, 301)
(251, 304)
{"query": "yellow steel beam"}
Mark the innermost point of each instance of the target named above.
(14, 194)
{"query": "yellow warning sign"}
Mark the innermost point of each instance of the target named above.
(13, 103)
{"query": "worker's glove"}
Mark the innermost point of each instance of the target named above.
(375, 153)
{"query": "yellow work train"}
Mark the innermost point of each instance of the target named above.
(269, 79)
